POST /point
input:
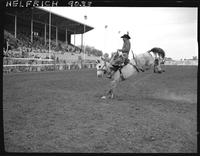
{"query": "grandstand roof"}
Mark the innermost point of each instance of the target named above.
(42, 16)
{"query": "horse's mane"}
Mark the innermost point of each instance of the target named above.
(159, 51)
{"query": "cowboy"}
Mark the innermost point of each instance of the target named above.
(122, 58)
(6, 47)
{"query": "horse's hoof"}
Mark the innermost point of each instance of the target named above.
(103, 97)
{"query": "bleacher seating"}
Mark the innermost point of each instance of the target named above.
(23, 43)
(22, 47)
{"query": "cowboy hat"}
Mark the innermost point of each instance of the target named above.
(126, 36)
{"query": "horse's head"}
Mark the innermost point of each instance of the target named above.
(160, 53)
(157, 66)
(159, 58)
(162, 60)
(102, 67)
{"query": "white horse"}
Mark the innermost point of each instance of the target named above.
(139, 63)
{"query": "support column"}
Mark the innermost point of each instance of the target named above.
(81, 42)
(56, 35)
(74, 38)
(66, 37)
(15, 26)
(31, 30)
(49, 33)
(84, 42)
(45, 34)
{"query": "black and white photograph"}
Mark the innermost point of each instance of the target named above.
(92, 79)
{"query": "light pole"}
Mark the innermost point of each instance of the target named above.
(106, 26)
(119, 32)
(85, 17)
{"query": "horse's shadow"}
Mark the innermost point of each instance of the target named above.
(117, 97)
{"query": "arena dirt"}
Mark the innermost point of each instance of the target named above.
(63, 112)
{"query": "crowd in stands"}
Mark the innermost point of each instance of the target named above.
(23, 46)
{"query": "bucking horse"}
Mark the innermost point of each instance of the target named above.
(139, 63)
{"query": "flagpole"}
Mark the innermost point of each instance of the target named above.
(119, 32)
(105, 38)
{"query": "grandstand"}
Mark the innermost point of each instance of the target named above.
(38, 33)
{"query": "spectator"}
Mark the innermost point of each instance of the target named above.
(6, 47)
(57, 60)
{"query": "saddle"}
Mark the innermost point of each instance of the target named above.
(117, 67)
(120, 65)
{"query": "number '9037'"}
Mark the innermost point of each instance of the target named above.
(79, 4)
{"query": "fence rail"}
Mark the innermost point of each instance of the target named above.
(28, 59)
(33, 64)
(184, 62)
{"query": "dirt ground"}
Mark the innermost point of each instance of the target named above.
(63, 112)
